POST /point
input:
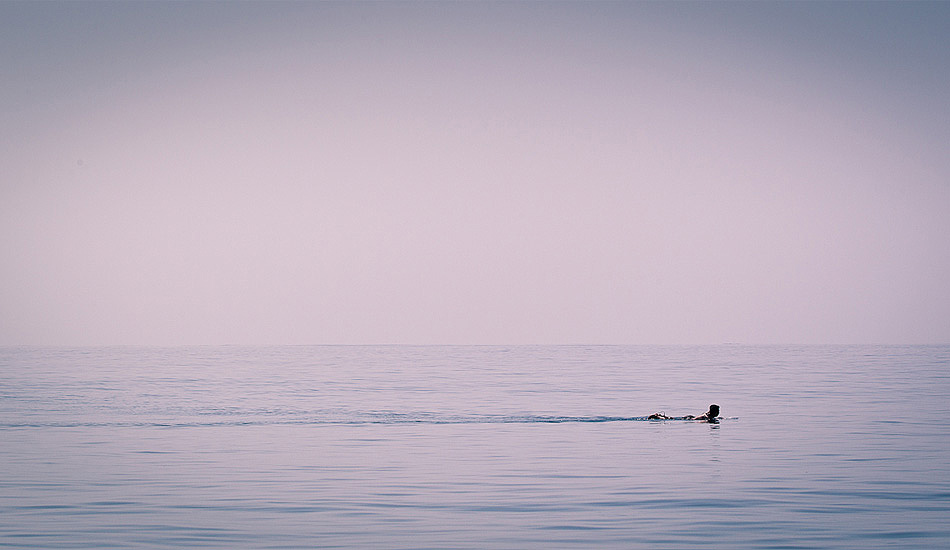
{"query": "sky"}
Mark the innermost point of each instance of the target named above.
(474, 172)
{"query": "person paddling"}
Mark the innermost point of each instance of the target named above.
(711, 415)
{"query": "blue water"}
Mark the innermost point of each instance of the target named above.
(474, 447)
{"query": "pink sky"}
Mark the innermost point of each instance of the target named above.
(177, 173)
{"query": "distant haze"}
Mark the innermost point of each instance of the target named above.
(591, 172)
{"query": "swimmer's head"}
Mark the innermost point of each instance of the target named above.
(713, 410)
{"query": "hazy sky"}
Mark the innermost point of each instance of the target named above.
(267, 172)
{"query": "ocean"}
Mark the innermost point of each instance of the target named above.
(474, 447)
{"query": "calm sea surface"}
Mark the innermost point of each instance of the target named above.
(472, 447)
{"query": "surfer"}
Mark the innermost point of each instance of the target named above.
(709, 416)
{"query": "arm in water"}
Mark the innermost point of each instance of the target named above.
(711, 415)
